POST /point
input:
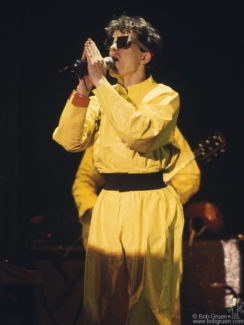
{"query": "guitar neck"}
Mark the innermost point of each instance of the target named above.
(205, 150)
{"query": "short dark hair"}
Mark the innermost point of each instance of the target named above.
(146, 33)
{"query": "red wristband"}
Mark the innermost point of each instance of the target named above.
(79, 100)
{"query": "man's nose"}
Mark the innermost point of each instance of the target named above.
(114, 46)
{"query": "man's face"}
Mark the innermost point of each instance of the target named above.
(127, 61)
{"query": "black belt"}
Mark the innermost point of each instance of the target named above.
(133, 182)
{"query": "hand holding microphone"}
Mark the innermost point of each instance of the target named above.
(96, 65)
(91, 69)
(80, 67)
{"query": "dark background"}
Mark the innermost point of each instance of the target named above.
(202, 60)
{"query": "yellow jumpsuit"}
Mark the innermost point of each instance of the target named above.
(88, 183)
(134, 246)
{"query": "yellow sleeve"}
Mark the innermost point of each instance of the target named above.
(87, 184)
(186, 176)
(75, 130)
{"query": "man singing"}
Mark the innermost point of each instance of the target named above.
(134, 246)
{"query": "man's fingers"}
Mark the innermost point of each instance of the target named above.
(83, 57)
(92, 50)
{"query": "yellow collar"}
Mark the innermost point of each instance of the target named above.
(135, 88)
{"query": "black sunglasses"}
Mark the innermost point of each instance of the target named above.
(124, 42)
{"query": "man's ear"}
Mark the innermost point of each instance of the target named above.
(146, 57)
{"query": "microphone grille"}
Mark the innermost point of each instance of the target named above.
(109, 62)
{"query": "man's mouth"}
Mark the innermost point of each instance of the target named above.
(115, 58)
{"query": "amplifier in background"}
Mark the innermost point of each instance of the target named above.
(55, 240)
(54, 233)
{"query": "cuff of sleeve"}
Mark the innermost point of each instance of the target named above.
(79, 100)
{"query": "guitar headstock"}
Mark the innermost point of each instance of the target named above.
(210, 147)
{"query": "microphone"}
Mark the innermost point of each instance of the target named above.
(79, 68)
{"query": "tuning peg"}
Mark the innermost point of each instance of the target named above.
(222, 150)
